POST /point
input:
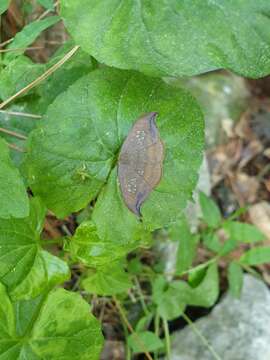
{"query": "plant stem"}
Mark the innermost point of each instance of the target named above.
(16, 113)
(167, 338)
(200, 266)
(13, 133)
(141, 297)
(203, 339)
(130, 328)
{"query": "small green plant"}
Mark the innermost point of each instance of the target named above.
(62, 125)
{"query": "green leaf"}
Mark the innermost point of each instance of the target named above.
(56, 326)
(108, 280)
(172, 37)
(242, 232)
(17, 74)
(87, 247)
(72, 156)
(144, 341)
(256, 256)
(212, 242)
(47, 4)
(80, 64)
(210, 211)
(4, 6)
(187, 244)
(25, 268)
(171, 301)
(13, 196)
(235, 278)
(28, 35)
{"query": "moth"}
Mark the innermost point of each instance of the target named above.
(140, 162)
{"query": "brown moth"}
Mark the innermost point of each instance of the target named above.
(140, 162)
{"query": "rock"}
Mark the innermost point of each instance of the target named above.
(236, 329)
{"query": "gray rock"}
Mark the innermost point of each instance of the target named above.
(236, 329)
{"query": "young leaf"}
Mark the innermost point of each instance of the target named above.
(212, 242)
(87, 247)
(235, 278)
(28, 35)
(172, 37)
(108, 280)
(49, 327)
(13, 196)
(242, 232)
(144, 341)
(256, 256)
(4, 6)
(210, 211)
(187, 244)
(25, 268)
(72, 156)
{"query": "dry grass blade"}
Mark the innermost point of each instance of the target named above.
(14, 147)
(17, 113)
(41, 78)
(13, 133)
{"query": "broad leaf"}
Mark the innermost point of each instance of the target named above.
(256, 256)
(56, 326)
(108, 280)
(25, 268)
(235, 278)
(210, 211)
(28, 35)
(174, 37)
(242, 232)
(144, 341)
(13, 196)
(73, 154)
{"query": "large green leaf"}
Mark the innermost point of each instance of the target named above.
(242, 232)
(56, 326)
(13, 196)
(172, 37)
(73, 154)
(25, 268)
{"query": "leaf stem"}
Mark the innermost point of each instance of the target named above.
(167, 338)
(141, 297)
(203, 339)
(14, 147)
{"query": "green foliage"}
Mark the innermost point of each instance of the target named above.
(28, 35)
(71, 165)
(56, 325)
(13, 197)
(61, 158)
(235, 278)
(144, 341)
(210, 211)
(256, 256)
(25, 268)
(47, 4)
(108, 280)
(172, 37)
(4, 6)
(241, 232)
